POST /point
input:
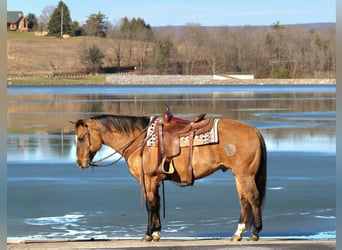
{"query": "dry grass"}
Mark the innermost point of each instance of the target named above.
(30, 55)
(96, 79)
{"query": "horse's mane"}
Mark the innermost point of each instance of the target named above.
(123, 123)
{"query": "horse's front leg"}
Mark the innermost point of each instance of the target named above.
(153, 207)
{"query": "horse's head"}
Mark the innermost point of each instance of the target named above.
(88, 142)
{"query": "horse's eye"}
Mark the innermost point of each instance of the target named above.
(80, 139)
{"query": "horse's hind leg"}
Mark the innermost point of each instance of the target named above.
(244, 208)
(255, 201)
(250, 203)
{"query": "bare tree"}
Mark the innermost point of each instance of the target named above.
(191, 46)
(45, 16)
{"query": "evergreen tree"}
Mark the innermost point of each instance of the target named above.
(77, 30)
(33, 21)
(60, 22)
(96, 25)
(164, 50)
(135, 29)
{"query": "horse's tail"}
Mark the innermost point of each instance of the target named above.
(261, 176)
(260, 180)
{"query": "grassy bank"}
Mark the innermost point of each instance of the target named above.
(98, 79)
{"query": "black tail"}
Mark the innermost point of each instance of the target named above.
(260, 181)
(261, 177)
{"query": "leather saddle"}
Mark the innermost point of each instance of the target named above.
(170, 129)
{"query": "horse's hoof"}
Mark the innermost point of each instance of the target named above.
(147, 238)
(253, 237)
(235, 238)
(156, 236)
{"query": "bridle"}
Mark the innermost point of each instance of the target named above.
(122, 149)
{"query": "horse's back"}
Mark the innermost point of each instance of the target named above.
(238, 131)
(238, 145)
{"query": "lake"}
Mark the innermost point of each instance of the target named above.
(50, 198)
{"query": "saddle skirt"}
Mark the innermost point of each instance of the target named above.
(208, 137)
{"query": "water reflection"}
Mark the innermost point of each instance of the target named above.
(47, 148)
(37, 113)
(39, 148)
(291, 118)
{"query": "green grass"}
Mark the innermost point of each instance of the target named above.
(97, 79)
(16, 35)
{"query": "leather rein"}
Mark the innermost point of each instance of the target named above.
(128, 153)
(123, 149)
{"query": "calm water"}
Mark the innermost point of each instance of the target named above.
(50, 198)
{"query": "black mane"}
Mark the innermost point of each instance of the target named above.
(123, 123)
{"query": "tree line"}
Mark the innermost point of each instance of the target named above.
(276, 51)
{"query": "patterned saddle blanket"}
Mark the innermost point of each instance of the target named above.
(208, 137)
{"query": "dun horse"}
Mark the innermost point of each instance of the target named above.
(240, 148)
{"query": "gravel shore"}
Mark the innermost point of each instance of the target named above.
(124, 79)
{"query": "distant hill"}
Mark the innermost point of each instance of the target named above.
(316, 26)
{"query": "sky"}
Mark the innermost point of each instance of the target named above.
(182, 12)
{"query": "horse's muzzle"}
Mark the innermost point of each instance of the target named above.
(83, 164)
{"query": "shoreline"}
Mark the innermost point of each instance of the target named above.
(131, 79)
(175, 244)
(125, 79)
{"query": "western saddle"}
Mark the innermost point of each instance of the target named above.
(170, 129)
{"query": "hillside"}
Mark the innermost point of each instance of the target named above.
(30, 55)
(219, 49)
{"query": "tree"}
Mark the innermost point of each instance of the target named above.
(77, 30)
(60, 22)
(164, 48)
(278, 46)
(33, 25)
(45, 17)
(92, 58)
(214, 51)
(192, 39)
(135, 29)
(46, 14)
(96, 25)
(131, 31)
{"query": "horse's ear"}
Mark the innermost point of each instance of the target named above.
(79, 123)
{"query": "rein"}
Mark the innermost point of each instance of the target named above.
(95, 163)
(122, 148)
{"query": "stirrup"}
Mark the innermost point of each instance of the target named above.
(162, 169)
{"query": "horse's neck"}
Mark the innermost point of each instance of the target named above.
(117, 140)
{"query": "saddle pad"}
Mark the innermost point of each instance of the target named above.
(206, 138)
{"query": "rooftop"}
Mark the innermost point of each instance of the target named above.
(14, 16)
